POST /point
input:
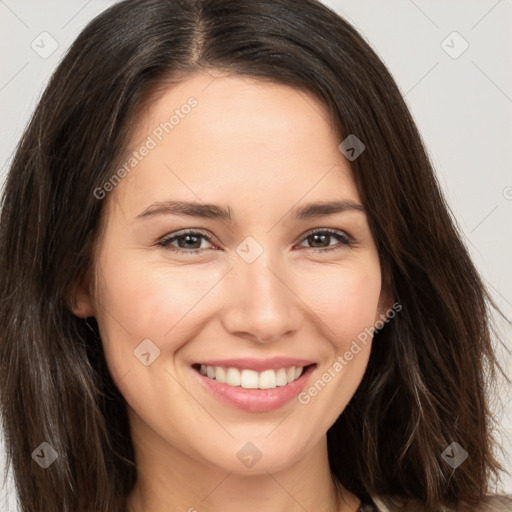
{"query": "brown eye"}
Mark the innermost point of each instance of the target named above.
(321, 240)
(187, 241)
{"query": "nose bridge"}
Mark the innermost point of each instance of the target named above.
(262, 306)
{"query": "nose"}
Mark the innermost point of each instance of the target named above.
(262, 305)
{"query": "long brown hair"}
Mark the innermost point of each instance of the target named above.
(425, 384)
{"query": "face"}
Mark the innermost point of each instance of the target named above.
(256, 283)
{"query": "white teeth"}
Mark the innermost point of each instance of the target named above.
(220, 374)
(267, 379)
(281, 379)
(249, 379)
(233, 377)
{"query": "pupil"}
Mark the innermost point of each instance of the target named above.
(189, 238)
(316, 237)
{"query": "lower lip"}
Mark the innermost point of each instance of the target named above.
(256, 400)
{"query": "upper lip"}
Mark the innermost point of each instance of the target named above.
(258, 365)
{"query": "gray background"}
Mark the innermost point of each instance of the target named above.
(461, 103)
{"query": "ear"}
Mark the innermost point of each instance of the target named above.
(386, 299)
(384, 305)
(80, 300)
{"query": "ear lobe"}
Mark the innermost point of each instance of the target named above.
(384, 306)
(386, 299)
(80, 302)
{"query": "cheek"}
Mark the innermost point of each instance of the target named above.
(150, 299)
(345, 301)
(138, 300)
(345, 298)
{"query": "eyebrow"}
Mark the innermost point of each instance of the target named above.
(212, 211)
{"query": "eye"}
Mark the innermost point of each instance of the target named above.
(189, 241)
(321, 239)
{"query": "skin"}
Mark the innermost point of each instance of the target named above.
(262, 150)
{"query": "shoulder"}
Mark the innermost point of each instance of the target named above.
(491, 503)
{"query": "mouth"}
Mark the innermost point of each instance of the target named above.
(251, 379)
(251, 390)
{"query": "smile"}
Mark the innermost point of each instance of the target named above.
(256, 389)
(250, 379)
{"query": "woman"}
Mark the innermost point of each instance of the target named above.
(173, 338)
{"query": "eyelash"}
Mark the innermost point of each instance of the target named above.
(346, 240)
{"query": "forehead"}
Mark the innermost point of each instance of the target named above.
(214, 135)
(226, 103)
